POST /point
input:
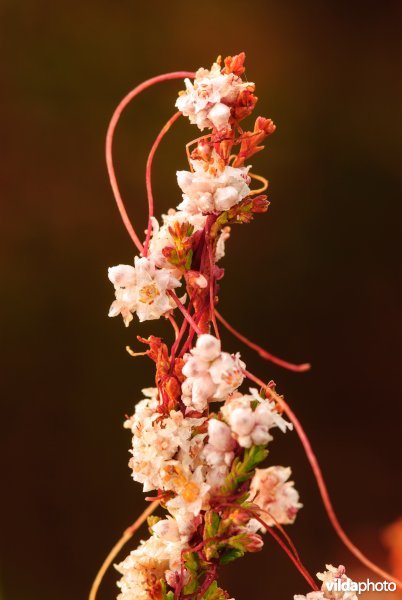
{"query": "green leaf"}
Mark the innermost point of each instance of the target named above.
(165, 595)
(230, 555)
(189, 259)
(214, 592)
(237, 542)
(243, 469)
(253, 456)
(212, 522)
(192, 561)
(192, 586)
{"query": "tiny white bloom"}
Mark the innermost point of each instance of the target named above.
(167, 529)
(162, 238)
(210, 374)
(273, 493)
(208, 99)
(212, 189)
(141, 289)
(143, 568)
(251, 424)
(331, 592)
(219, 449)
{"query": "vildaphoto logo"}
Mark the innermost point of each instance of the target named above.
(342, 585)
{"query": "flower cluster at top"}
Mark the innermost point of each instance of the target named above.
(197, 440)
(216, 193)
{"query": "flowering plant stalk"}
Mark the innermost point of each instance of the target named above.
(198, 442)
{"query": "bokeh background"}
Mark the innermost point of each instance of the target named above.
(316, 279)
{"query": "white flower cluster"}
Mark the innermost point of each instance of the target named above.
(211, 374)
(189, 459)
(207, 102)
(251, 417)
(153, 560)
(162, 237)
(275, 495)
(141, 289)
(331, 592)
(166, 455)
(212, 188)
(186, 454)
(161, 445)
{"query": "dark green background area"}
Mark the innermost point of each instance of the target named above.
(315, 279)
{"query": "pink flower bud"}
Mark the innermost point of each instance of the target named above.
(242, 421)
(167, 529)
(208, 347)
(260, 436)
(253, 542)
(226, 197)
(220, 435)
(194, 367)
(219, 115)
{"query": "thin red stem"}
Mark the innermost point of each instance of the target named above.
(148, 173)
(185, 312)
(283, 532)
(321, 483)
(175, 326)
(294, 558)
(263, 353)
(177, 341)
(299, 565)
(109, 144)
(190, 337)
(212, 289)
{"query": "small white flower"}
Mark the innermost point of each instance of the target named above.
(192, 493)
(141, 289)
(219, 115)
(220, 435)
(242, 421)
(210, 374)
(207, 347)
(216, 477)
(212, 189)
(272, 492)
(167, 529)
(331, 575)
(227, 373)
(122, 276)
(162, 238)
(220, 244)
(251, 424)
(207, 101)
(146, 565)
(158, 441)
(219, 449)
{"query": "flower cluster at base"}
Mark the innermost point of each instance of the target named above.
(203, 466)
(198, 441)
(335, 586)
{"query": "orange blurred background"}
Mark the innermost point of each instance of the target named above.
(317, 279)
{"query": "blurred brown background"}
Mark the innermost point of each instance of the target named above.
(316, 279)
